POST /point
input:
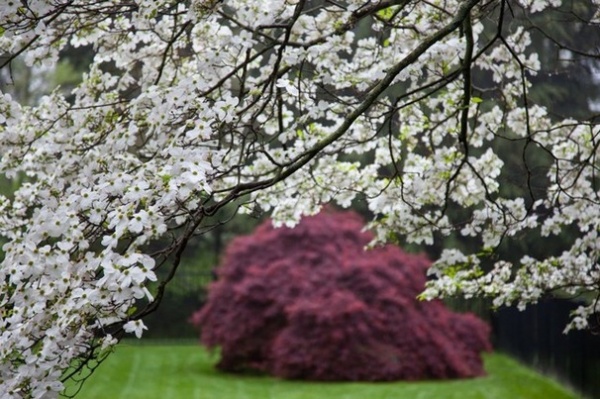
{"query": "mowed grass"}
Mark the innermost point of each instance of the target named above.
(187, 372)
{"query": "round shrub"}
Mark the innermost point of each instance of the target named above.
(311, 303)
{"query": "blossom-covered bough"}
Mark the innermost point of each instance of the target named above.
(283, 105)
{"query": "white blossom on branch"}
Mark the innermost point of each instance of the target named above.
(288, 104)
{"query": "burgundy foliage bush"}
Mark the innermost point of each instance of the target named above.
(311, 303)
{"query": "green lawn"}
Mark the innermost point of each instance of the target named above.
(186, 372)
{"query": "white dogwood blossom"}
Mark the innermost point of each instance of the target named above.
(286, 105)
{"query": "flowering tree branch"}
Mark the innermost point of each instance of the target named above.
(285, 105)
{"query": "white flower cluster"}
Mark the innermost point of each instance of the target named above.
(286, 103)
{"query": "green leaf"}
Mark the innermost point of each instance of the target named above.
(476, 100)
(386, 14)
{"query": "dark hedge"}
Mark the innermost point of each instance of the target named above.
(311, 303)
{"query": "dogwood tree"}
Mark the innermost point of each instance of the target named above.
(284, 105)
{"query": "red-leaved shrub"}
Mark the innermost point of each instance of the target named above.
(311, 303)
